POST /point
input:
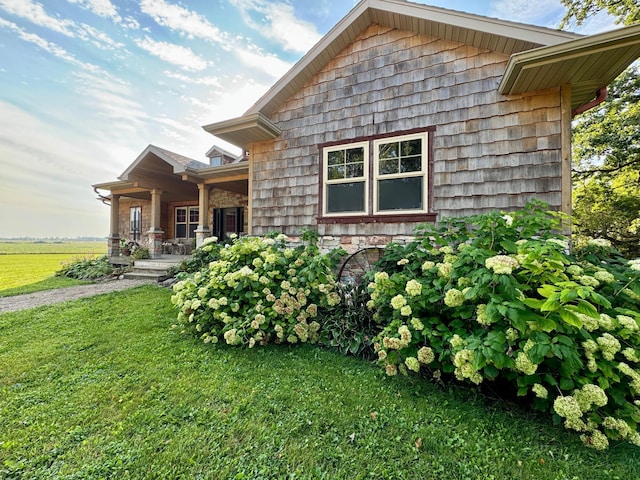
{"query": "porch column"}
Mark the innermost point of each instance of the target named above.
(113, 241)
(203, 231)
(155, 232)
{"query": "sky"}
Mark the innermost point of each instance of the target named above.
(86, 85)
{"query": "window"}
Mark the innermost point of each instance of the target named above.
(187, 219)
(346, 179)
(381, 179)
(216, 161)
(135, 222)
(400, 174)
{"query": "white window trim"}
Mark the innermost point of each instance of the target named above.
(423, 173)
(364, 178)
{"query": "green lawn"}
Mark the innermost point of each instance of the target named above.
(29, 266)
(104, 388)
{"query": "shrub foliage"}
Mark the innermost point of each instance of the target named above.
(497, 297)
(88, 268)
(256, 291)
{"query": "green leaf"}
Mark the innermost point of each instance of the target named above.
(509, 246)
(586, 308)
(546, 324)
(552, 304)
(600, 300)
(491, 371)
(568, 295)
(550, 380)
(534, 303)
(570, 318)
(566, 384)
(538, 352)
(547, 291)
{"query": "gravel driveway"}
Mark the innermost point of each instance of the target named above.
(48, 297)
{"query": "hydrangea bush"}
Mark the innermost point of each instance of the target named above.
(498, 297)
(256, 291)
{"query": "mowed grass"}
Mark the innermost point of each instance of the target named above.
(27, 267)
(104, 388)
(70, 247)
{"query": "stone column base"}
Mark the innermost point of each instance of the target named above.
(113, 245)
(201, 234)
(155, 243)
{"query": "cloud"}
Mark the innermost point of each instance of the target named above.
(208, 81)
(50, 47)
(178, 55)
(279, 24)
(102, 8)
(113, 102)
(179, 19)
(548, 13)
(98, 38)
(35, 13)
(255, 58)
(541, 12)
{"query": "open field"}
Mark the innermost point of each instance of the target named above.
(26, 263)
(79, 248)
(104, 388)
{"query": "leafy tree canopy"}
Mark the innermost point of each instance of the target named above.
(606, 147)
(626, 11)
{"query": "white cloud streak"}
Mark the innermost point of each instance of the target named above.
(279, 24)
(102, 8)
(50, 47)
(178, 55)
(270, 64)
(35, 13)
(186, 22)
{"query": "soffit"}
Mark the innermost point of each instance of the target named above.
(586, 64)
(243, 131)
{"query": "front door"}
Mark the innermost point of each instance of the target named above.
(227, 221)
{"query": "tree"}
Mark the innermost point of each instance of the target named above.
(606, 148)
(626, 11)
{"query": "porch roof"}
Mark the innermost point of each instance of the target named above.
(175, 175)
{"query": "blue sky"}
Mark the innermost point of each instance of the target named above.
(86, 85)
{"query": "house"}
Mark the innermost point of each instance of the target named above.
(167, 200)
(405, 113)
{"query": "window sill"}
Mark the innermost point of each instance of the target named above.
(400, 218)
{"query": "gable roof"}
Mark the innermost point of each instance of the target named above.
(222, 152)
(478, 31)
(526, 44)
(178, 162)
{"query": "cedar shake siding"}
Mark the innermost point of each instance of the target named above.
(490, 151)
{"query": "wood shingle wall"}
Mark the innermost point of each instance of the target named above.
(490, 151)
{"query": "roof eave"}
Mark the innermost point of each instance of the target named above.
(573, 63)
(244, 130)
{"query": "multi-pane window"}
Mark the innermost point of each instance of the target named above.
(391, 180)
(187, 219)
(346, 179)
(400, 174)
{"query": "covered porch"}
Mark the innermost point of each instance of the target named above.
(169, 203)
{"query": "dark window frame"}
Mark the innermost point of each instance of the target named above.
(370, 217)
(189, 225)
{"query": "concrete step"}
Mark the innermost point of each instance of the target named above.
(154, 264)
(135, 275)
